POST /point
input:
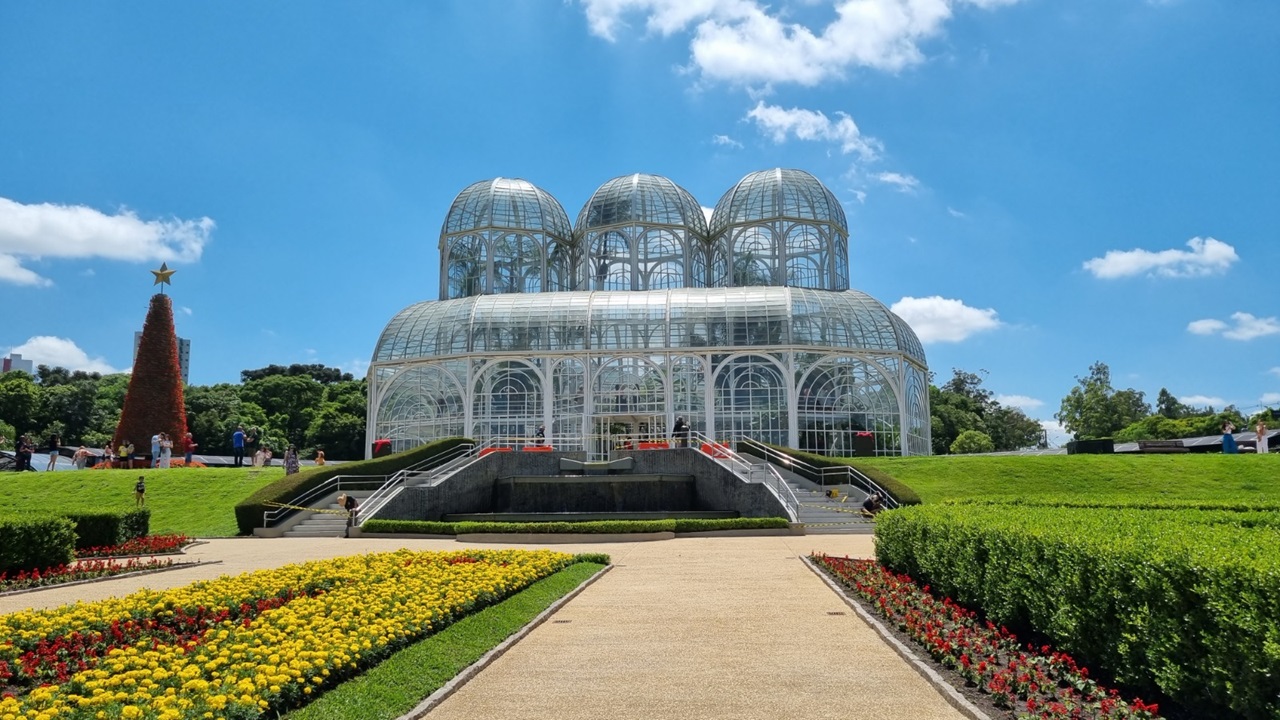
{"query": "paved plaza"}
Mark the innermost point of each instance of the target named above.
(685, 628)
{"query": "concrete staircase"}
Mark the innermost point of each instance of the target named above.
(822, 515)
(326, 524)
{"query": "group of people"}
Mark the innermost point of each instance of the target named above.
(1231, 447)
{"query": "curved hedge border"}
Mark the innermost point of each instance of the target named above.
(33, 541)
(681, 525)
(896, 488)
(249, 512)
(1186, 603)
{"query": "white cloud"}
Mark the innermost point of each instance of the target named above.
(88, 272)
(939, 319)
(955, 213)
(726, 141)
(1247, 327)
(778, 123)
(1275, 371)
(1207, 256)
(75, 231)
(60, 352)
(901, 183)
(357, 367)
(1202, 401)
(741, 41)
(185, 309)
(1270, 398)
(1024, 402)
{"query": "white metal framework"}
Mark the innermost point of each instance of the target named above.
(778, 349)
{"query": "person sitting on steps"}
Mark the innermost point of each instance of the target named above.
(872, 505)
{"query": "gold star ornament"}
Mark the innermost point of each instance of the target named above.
(163, 275)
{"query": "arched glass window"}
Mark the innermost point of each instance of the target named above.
(751, 399)
(507, 402)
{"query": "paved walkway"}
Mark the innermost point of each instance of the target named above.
(686, 628)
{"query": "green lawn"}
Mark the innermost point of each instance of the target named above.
(1111, 479)
(196, 501)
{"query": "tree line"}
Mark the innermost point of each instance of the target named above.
(1096, 409)
(313, 407)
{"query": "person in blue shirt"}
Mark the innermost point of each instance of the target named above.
(155, 450)
(237, 446)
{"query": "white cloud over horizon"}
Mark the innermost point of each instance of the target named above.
(1275, 371)
(1207, 256)
(1246, 327)
(779, 123)
(1271, 398)
(1058, 435)
(939, 319)
(60, 352)
(1203, 401)
(900, 182)
(749, 43)
(1025, 403)
(726, 141)
(46, 230)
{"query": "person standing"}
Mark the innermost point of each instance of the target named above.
(1261, 430)
(166, 450)
(126, 454)
(319, 457)
(140, 491)
(680, 432)
(22, 453)
(188, 448)
(54, 443)
(237, 446)
(155, 450)
(80, 458)
(291, 460)
(1229, 438)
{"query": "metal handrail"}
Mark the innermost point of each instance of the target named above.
(848, 474)
(397, 481)
(333, 484)
(762, 473)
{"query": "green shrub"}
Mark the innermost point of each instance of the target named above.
(897, 490)
(135, 524)
(249, 512)
(98, 529)
(29, 542)
(972, 441)
(597, 558)
(1184, 602)
(684, 525)
(424, 527)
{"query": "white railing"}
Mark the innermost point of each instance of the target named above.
(337, 483)
(762, 472)
(442, 464)
(837, 475)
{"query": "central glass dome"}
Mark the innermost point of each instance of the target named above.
(642, 232)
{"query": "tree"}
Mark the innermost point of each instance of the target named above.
(19, 401)
(154, 402)
(972, 441)
(1094, 409)
(290, 402)
(962, 404)
(319, 373)
(1168, 406)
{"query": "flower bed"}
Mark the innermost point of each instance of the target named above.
(238, 647)
(84, 570)
(149, 545)
(1030, 682)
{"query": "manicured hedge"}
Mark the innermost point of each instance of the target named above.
(1183, 602)
(595, 526)
(97, 529)
(249, 512)
(29, 542)
(899, 491)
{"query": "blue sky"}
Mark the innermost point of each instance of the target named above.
(1034, 185)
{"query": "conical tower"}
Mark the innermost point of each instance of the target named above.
(154, 401)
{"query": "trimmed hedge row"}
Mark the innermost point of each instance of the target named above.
(97, 529)
(898, 490)
(1209, 505)
(1183, 602)
(425, 527)
(249, 512)
(35, 541)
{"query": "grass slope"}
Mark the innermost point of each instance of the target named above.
(398, 684)
(1109, 479)
(195, 501)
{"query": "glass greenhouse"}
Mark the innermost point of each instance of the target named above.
(641, 312)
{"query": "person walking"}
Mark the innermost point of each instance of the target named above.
(1229, 439)
(54, 443)
(291, 460)
(166, 450)
(188, 448)
(237, 446)
(680, 433)
(155, 450)
(80, 458)
(1261, 430)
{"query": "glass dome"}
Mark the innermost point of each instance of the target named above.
(642, 232)
(779, 227)
(505, 236)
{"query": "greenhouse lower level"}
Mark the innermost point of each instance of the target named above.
(816, 370)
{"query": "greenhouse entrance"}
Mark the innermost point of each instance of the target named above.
(624, 432)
